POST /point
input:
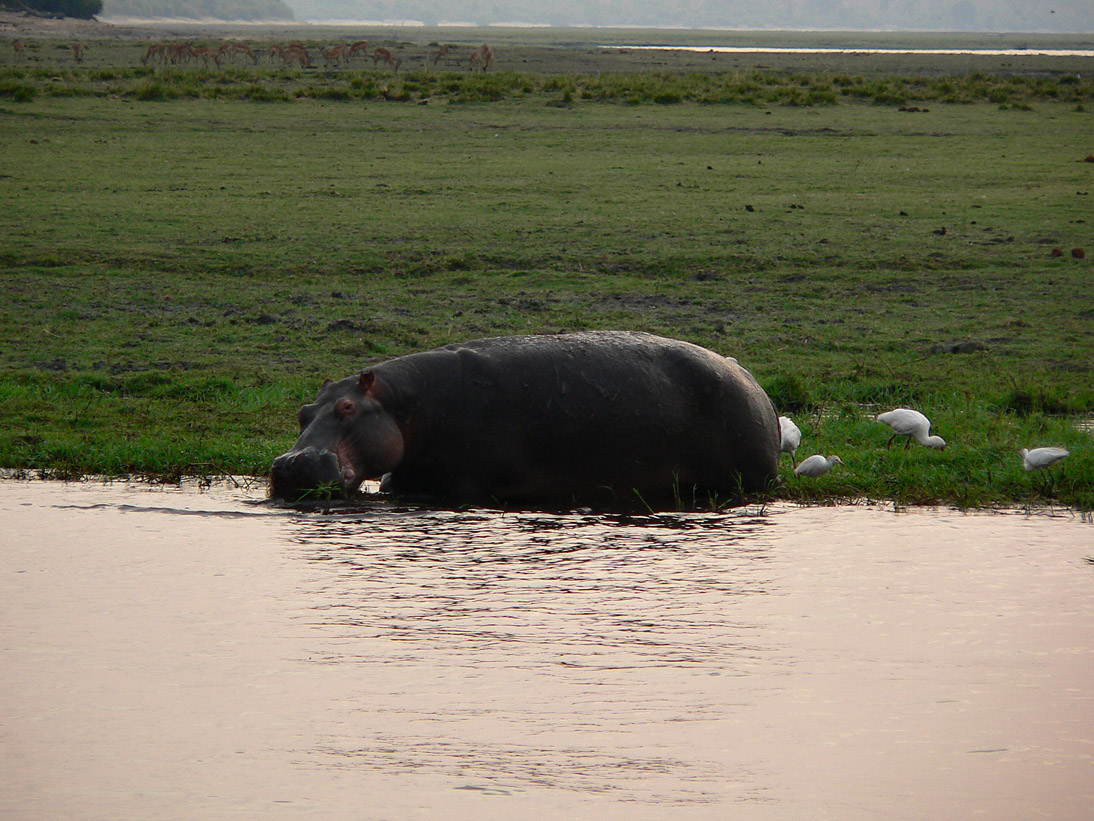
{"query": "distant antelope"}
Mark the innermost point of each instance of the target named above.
(19, 47)
(232, 49)
(78, 52)
(179, 52)
(483, 56)
(155, 50)
(385, 55)
(359, 47)
(334, 55)
(207, 54)
(295, 51)
(439, 54)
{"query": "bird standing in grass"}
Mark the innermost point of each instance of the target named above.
(1039, 458)
(913, 424)
(790, 436)
(1042, 459)
(817, 465)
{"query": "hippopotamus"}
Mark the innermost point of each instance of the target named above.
(601, 416)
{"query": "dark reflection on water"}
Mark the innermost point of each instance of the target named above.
(515, 769)
(162, 510)
(571, 590)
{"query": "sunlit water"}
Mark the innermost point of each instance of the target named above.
(976, 52)
(170, 653)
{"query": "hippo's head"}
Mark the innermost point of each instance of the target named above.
(346, 436)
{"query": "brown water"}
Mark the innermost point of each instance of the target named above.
(169, 653)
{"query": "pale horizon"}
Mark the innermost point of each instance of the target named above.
(1050, 16)
(1072, 17)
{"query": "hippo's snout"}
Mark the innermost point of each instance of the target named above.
(299, 473)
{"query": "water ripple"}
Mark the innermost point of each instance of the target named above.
(578, 591)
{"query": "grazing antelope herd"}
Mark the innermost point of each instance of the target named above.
(338, 55)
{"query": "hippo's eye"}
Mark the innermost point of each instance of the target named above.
(345, 407)
(304, 417)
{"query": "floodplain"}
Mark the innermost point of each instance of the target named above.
(187, 252)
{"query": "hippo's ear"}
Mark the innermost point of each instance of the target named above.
(365, 381)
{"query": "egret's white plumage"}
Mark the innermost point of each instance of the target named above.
(1042, 457)
(913, 424)
(790, 436)
(817, 465)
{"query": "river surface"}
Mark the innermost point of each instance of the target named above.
(976, 52)
(176, 653)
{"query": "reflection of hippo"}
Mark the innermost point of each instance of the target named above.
(590, 416)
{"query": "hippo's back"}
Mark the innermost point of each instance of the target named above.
(574, 415)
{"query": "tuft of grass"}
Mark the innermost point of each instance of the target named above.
(1028, 401)
(789, 394)
(154, 91)
(18, 91)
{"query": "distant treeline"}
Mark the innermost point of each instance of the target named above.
(85, 9)
(198, 9)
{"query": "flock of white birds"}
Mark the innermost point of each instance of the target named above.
(905, 422)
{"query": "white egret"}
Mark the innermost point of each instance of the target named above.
(1039, 458)
(1043, 459)
(913, 424)
(790, 436)
(817, 465)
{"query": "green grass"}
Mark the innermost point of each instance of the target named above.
(181, 272)
(665, 87)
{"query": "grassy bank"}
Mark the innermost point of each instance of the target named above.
(425, 87)
(559, 73)
(181, 274)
